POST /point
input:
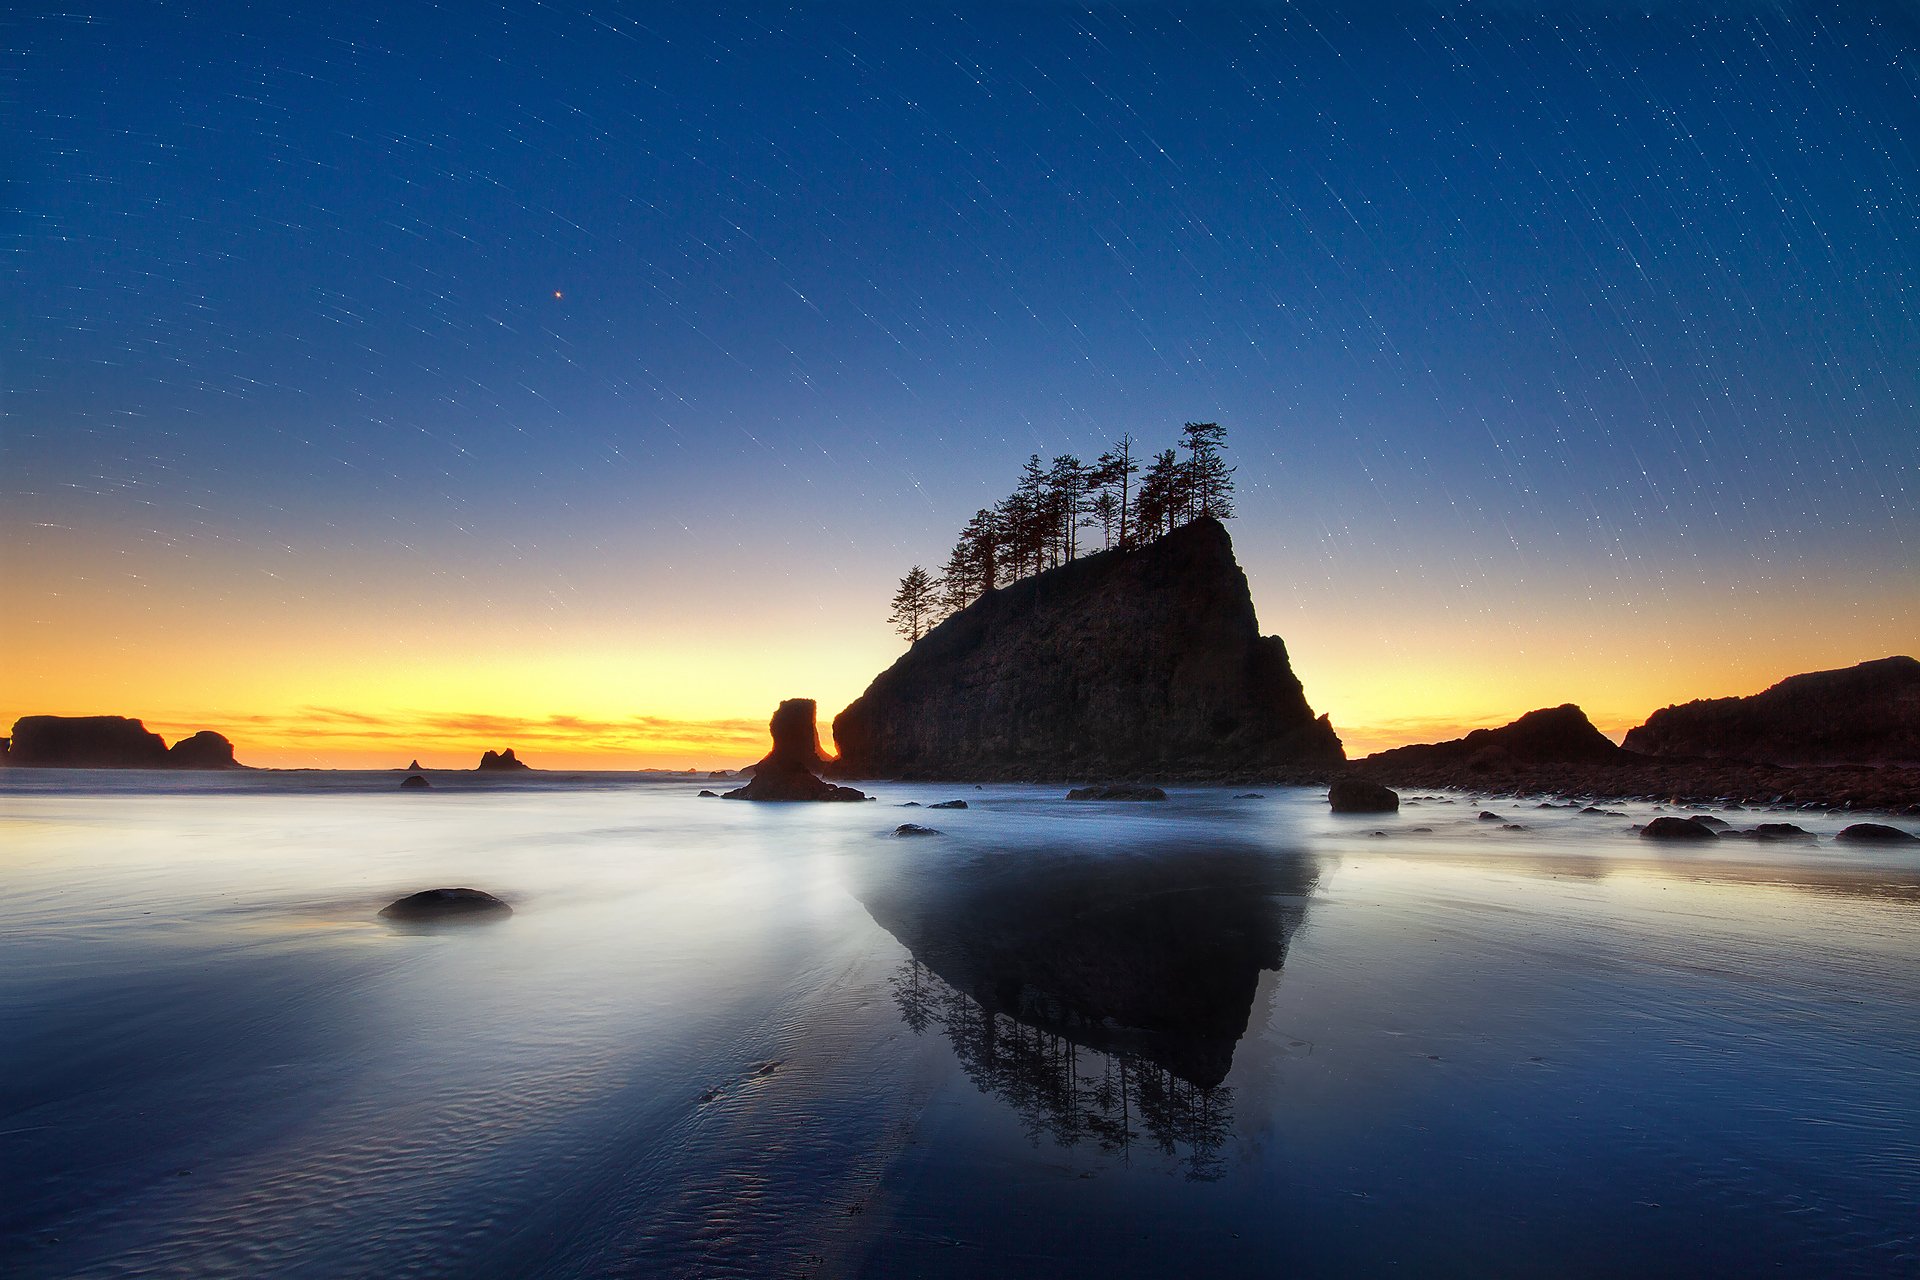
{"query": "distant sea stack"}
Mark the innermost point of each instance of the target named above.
(500, 762)
(1552, 735)
(1865, 714)
(1124, 664)
(787, 771)
(110, 742)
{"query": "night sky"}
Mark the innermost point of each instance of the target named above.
(582, 379)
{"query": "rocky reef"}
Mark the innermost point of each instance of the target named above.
(110, 742)
(1126, 664)
(787, 771)
(1859, 715)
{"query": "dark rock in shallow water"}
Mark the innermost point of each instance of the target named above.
(414, 782)
(1357, 795)
(1117, 791)
(1125, 663)
(502, 762)
(1249, 795)
(447, 904)
(1707, 819)
(786, 774)
(1777, 831)
(712, 795)
(1486, 816)
(1875, 833)
(1677, 829)
(949, 804)
(1864, 714)
(914, 829)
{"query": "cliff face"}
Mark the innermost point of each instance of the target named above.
(1865, 714)
(1121, 664)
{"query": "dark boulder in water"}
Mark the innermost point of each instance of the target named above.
(914, 829)
(949, 804)
(414, 782)
(1357, 795)
(1123, 664)
(447, 904)
(1777, 831)
(1677, 829)
(1875, 833)
(787, 772)
(1116, 791)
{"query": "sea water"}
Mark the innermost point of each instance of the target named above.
(1216, 1035)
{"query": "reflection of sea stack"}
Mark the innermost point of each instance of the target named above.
(787, 772)
(1156, 956)
(501, 762)
(1119, 665)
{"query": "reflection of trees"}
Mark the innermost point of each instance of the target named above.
(1065, 1091)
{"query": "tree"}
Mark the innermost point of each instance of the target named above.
(1114, 473)
(1106, 512)
(1161, 501)
(1065, 502)
(1209, 480)
(913, 604)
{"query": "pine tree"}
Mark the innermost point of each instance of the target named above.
(1114, 473)
(1066, 502)
(1161, 501)
(913, 604)
(1209, 480)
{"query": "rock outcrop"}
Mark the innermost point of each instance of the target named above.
(1552, 735)
(787, 771)
(1859, 715)
(501, 762)
(1146, 662)
(446, 904)
(1357, 795)
(110, 742)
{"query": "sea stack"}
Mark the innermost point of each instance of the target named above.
(111, 742)
(1868, 714)
(501, 762)
(787, 771)
(1125, 664)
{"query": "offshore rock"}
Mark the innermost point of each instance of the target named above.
(786, 773)
(502, 762)
(1677, 829)
(1875, 833)
(1552, 735)
(1124, 664)
(1864, 714)
(415, 782)
(1117, 791)
(110, 742)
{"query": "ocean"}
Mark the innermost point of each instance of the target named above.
(1213, 1036)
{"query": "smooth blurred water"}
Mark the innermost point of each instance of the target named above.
(731, 1039)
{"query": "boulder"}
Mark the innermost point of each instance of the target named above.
(786, 773)
(949, 804)
(1777, 831)
(914, 829)
(1124, 663)
(1357, 795)
(1677, 829)
(414, 782)
(1116, 791)
(447, 904)
(1875, 833)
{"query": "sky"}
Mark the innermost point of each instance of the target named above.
(397, 381)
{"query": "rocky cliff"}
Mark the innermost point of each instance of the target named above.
(1865, 714)
(110, 742)
(1552, 735)
(1144, 662)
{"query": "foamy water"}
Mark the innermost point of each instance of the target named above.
(1216, 1035)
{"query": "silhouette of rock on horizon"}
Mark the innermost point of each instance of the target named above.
(501, 762)
(111, 742)
(1125, 664)
(786, 772)
(1865, 714)
(1552, 735)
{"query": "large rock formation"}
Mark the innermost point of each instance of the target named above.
(500, 762)
(1143, 662)
(110, 742)
(1865, 714)
(1552, 735)
(786, 772)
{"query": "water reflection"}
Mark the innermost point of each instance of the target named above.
(1100, 995)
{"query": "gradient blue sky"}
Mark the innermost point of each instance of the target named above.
(611, 362)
